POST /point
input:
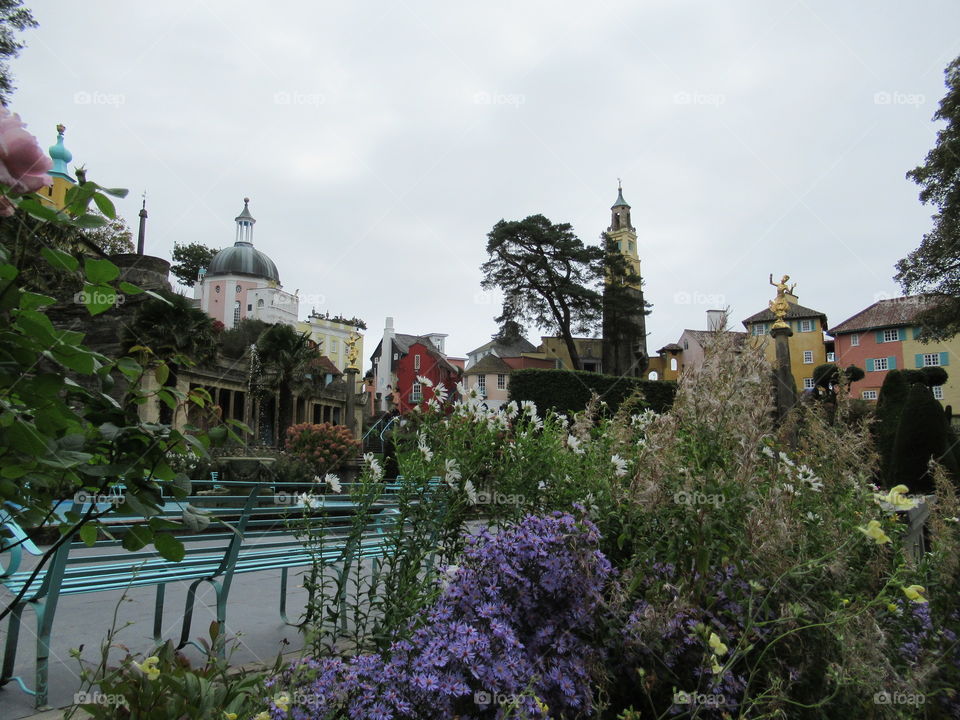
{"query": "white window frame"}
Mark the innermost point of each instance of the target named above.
(808, 383)
(868, 395)
(891, 335)
(806, 326)
(831, 357)
(416, 392)
(938, 392)
(878, 362)
(482, 384)
(808, 357)
(501, 381)
(855, 340)
(931, 359)
(759, 329)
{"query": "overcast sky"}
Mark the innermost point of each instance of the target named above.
(380, 142)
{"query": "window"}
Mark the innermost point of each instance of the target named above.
(869, 394)
(416, 362)
(236, 314)
(808, 357)
(217, 288)
(396, 355)
(686, 345)
(673, 364)
(931, 359)
(891, 335)
(806, 326)
(482, 384)
(249, 308)
(880, 364)
(653, 375)
(759, 329)
(938, 392)
(260, 303)
(854, 340)
(808, 383)
(501, 381)
(831, 357)
(239, 289)
(416, 394)
(333, 345)
(632, 246)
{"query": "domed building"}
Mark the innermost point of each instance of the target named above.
(243, 282)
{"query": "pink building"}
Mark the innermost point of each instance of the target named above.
(873, 341)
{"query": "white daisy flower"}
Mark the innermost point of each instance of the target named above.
(620, 465)
(333, 482)
(425, 381)
(452, 472)
(573, 442)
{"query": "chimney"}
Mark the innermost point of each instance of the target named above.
(143, 226)
(716, 320)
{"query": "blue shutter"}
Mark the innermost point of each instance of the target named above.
(891, 363)
(902, 333)
(916, 333)
(879, 336)
(944, 358)
(918, 360)
(869, 364)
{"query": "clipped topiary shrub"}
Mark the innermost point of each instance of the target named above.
(568, 391)
(922, 434)
(322, 447)
(935, 376)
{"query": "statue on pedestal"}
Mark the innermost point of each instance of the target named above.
(779, 305)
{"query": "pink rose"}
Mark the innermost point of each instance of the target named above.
(23, 165)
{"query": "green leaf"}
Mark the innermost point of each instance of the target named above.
(105, 205)
(60, 260)
(116, 192)
(129, 367)
(169, 547)
(88, 533)
(100, 271)
(167, 399)
(88, 222)
(196, 520)
(23, 437)
(99, 298)
(31, 301)
(37, 209)
(161, 373)
(129, 288)
(138, 536)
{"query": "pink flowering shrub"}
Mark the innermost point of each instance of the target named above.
(323, 447)
(23, 165)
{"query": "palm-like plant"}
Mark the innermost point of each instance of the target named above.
(286, 355)
(176, 333)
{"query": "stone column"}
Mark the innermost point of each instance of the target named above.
(784, 384)
(350, 419)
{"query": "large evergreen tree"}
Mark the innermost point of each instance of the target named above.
(13, 18)
(188, 259)
(935, 265)
(547, 276)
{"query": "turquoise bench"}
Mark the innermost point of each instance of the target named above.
(250, 532)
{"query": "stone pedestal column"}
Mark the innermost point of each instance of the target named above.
(351, 420)
(786, 388)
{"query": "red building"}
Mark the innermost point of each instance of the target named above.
(410, 357)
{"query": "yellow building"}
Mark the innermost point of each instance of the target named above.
(332, 333)
(807, 347)
(936, 354)
(555, 349)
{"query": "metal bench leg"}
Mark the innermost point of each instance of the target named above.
(158, 614)
(10, 651)
(188, 613)
(45, 610)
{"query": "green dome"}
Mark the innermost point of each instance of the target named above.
(60, 155)
(243, 259)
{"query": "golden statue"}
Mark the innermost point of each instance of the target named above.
(779, 305)
(352, 351)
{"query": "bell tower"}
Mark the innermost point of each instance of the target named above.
(624, 310)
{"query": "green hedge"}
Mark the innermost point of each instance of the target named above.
(569, 391)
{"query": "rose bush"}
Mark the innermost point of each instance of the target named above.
(323, 447)
(23, 165)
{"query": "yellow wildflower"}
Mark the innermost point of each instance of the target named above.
(718, 647)
(229, 716)
(897, 497)
(875, 531)
(149, 667)
(914, 592)
(891, 607)
(262, 716)
(715, 666)
(282, 701)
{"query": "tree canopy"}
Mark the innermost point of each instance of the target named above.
(188, 259)
(546, 274)
(935, 265)
(13, 18)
